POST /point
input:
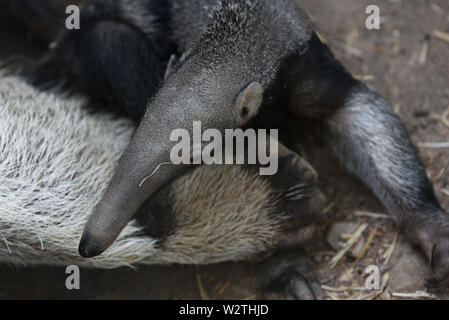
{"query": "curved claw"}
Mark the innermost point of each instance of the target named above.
(432, 236)
(439, 260)
(291, 276)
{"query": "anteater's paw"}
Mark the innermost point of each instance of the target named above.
(440, 264)
(438, 251)
(291, 276)
(432, 236)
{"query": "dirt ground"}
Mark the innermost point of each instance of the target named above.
(404, 61)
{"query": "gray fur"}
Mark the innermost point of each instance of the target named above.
(248, 39)
(55, 162)
(372, 142)
(134, 12)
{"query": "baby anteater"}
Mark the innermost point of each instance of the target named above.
(227, 48)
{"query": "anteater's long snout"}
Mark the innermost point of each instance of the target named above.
(121, 201)
(128, 189)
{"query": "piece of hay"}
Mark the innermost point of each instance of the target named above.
(223, 288)
(444, 36)
(397, 107)
(351, 242)
(443, 118)
(416, 295)
(373, 215)
(342, 289)
(364, 77)
(389, 253)
(365, 248)
(433, 145)
(423, 54)
(202, 290)
(349, 50)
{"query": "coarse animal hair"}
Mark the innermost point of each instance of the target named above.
(56, 159)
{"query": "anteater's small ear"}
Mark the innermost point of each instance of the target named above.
(248, 102)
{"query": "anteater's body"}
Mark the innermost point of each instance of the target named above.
(241, 63)
(58, 156)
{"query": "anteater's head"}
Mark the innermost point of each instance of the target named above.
(192, 92)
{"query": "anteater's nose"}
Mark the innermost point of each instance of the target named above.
(87, 249)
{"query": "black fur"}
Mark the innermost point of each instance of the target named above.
(109, 59)
(317, 86)
(314, 80)
(41, 20)
(157, 217)
(295, 192)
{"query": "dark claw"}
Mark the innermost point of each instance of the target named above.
(433, 238)
(291, 276)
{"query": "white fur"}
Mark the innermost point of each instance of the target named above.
(56, 158)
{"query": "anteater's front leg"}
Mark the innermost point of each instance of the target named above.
(372, 143)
